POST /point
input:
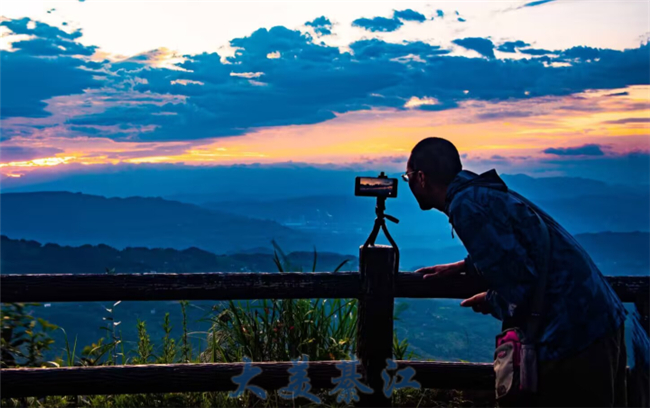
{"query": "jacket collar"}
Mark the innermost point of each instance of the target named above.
(466, 178)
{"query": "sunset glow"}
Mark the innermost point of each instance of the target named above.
(387, 133)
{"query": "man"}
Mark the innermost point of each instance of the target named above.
(582, 355)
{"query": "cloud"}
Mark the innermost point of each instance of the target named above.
(42, 67)
(409, 15)
(417, 102)
(43, 47)
(502, 114)
(309, 82)
(299, 94)
(26, 82)
(383, 24)
(21, 153)
(535, 51)
(618, 94)
(42, 30)
(511, 46)
(49, 41)
(382, 161)
(537, 3)
(581, 53)
(378, 24)
(376, 49)
(225, 105)
(585, 150)
(626, 121)
(483, 46)
(248, 75)
(322, 25)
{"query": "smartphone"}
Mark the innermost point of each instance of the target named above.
(375, 187)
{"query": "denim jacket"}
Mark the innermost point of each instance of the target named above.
(501, 234)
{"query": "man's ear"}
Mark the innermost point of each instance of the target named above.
(422, 179)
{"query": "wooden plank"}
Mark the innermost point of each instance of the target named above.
(24, 382)
(375, 319)
(411, 285)
(235, 285)
(448, 375)
(150, 378)
(171, 286)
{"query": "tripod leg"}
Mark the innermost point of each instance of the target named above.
(392, 242)
(373, 234)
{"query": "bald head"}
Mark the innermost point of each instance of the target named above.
(437, 158)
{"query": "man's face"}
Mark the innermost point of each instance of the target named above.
(417, 184)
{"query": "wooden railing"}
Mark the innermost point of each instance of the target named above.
(375, 286)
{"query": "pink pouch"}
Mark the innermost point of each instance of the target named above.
(515, 366)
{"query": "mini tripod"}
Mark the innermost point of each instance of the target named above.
(380, 222)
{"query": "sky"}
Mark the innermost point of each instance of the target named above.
(544, 88)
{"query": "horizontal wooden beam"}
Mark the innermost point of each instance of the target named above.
(411, 285)
(239, 285)
(173, 286)
(24, 382)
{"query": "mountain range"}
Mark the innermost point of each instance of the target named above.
(77, 219)
(331, 223)
(25, 256)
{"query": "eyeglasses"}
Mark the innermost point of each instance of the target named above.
(405, 176)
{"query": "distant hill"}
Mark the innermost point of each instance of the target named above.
(619, 253)
(565, 187)
(606, 211)
(78, 219)
(23, 256)
(615, 253)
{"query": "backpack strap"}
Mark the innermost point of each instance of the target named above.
(537, 305)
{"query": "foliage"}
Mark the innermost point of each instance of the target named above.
(145, 348)
(110, 329)
(186, 350)
(24, 338)
(168, 354)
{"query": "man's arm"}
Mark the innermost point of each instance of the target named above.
(497, 251)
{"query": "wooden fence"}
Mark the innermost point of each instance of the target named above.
(375, 286)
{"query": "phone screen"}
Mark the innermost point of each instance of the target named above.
(376, 187)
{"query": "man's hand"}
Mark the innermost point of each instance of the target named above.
(441, 271)
(478, 303)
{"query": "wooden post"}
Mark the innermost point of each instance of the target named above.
(375, 321)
